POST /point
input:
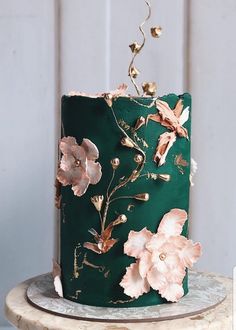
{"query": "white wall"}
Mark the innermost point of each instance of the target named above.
(27, 128)
(85, 44)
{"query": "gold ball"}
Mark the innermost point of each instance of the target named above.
(115, 162)
(138, 158)
(162, 256)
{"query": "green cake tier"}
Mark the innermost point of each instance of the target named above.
(91, 278)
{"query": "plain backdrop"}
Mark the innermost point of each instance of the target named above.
(49, 47)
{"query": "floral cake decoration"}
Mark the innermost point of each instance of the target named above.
(161, 258)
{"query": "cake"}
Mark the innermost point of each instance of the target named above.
(123, 185)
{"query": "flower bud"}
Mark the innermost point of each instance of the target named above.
(156, 31)
(139, 123)
(115, 162)
(142, 197)
(135, 47)
(138, 158)
(164, 177)
(127, 142)
(97, 202)
(149, 88)
(134, 72)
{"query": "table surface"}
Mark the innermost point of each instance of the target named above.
(26, 317)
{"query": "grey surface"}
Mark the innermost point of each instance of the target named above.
(204, 293)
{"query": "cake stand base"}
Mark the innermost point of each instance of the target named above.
(205, 292)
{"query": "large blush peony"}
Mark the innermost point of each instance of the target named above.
(78, 167)
(162, 258)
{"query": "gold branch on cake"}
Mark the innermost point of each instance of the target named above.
(103, 241)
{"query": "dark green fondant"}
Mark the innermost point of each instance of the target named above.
(84, 117)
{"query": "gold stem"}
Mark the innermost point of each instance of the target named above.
(141, 47)
(139, 169)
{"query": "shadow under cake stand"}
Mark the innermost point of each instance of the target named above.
(34, 305)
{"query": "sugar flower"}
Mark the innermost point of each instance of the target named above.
(161, 258)
(174, 121)
(56, 273)
(78, 166)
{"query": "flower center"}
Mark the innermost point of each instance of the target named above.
(162, 256)
(77, 163)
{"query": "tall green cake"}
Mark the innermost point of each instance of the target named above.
(123, 184)
(131, 187)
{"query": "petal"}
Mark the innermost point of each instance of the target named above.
(80, 187)
(58, 286)
(67, 162)
(94, 171)
(134, 285)
(56, 270)
(156, 279)
(178, 108)
(135, 245)
(172, 292)
(190, 253)
(145, 263)
(90, 149)
(172, 222)
(184, 116)
(65, 178)
(156, 242)
(120, 91)
(166, 113)
(92, 246)
(166, 141)
(67, 144)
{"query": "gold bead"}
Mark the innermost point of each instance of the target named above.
(142, 197)
(164, 177)
(139, 123)
(127, 142)
(162, 256)
(135, 47)
(149, 88)
(138, 158)
(115, 162)
(134, 72)
(156, 31)
(97, 202)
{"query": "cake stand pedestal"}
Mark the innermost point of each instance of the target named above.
(27, 317)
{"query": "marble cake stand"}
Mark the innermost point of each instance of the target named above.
(24, 315)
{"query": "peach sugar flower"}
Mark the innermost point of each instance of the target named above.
(78, 167)
(162, 258)
(174, 121)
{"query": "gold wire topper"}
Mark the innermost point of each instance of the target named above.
(133, 72)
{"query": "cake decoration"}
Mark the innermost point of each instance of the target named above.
(125, 195)
(78, 167)
(174, 121)
(162, 258)
(56, 273)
